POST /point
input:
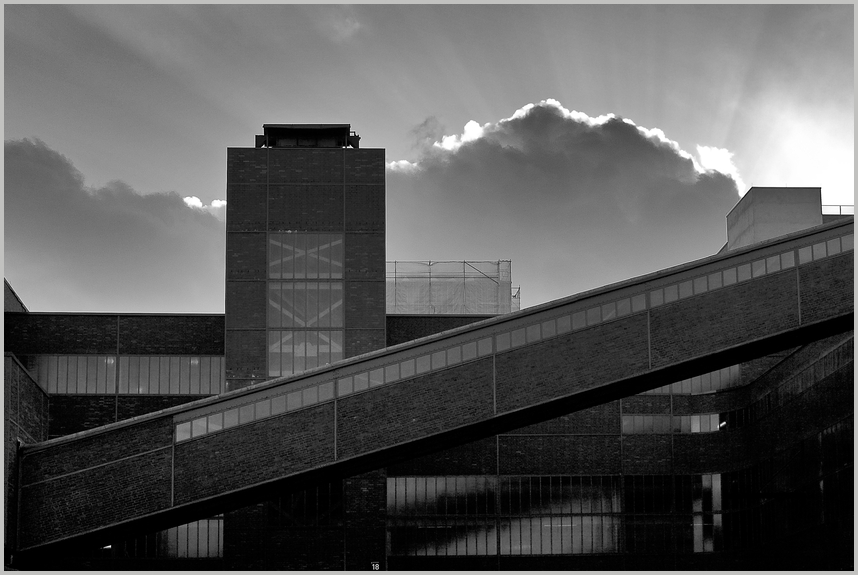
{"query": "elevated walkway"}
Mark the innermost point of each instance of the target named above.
(231, 450)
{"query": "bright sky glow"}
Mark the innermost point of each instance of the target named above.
(501, 124)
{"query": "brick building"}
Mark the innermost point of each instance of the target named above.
(698, 417)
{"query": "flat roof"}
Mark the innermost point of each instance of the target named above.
(307, 126)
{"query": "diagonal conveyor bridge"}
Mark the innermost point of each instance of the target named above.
(211, 455)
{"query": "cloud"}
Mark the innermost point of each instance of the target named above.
(217, 208)
(575, 201)
(70, 247)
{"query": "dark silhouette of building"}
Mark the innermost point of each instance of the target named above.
(698, 417)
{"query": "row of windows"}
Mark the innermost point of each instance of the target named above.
(296, 351)
(170, 375)
(517, 337)
(305, 255)
(161, 375)
(253, 411)
(747, 271)
(199, 539)
(554, 515)
(509, 535)
(305, 304)
(552, 535)
(476, 496)
(708, 382)
(704, 423)
(792, 387)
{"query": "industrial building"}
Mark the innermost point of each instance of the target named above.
(351, 413)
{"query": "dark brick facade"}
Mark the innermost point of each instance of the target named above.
(84, 333)
(26, 422)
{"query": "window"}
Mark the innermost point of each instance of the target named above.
(305, 308)
(136, 374)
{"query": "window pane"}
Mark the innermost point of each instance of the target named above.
(326, 391)
(805, 255)
(819, 250)
(337, 257)
(362, 380)
(198, 427)
(686, 289)
(230, 418)
(424, 364)
(744, 272)
(519, 337)
(833, 246)
(310, 396)
(337, 304)
(275, 254)
(609, 311)
(205, 375)
(624, 307)
(300, 260)
(700, 285)
(184, 375)
(287, 242)
(123, 374)
(773, 264)
(729, 276)
(671, 293)
(101, 381)
(787, 260)
(299, 351)
(715, 280)
(195, 375)
(275, 309)
(174, 374)
(245, 413)
(758, 268)
(594, 315)
(533, 333)
(639, 302)
(503, 341)
(312, 255)
(407, 368)
(215, 422)
(311, 347)
(484, 347)
(263, 408)
(656, 297)
(549, 328)
(183, 431)
(345, 386)
(454, 355)
(324, 296)
(278, 404)
(156, 383)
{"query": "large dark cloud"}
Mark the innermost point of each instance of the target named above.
(72, 248)
(575, 203)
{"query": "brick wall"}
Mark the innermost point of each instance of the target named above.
(46, 333)
(25, 407)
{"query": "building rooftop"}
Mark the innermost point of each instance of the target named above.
(307, 136)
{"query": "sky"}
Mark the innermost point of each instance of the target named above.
(585, 143)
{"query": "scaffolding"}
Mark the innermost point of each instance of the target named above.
(451, 287)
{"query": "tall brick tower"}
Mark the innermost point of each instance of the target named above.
(304, 251)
